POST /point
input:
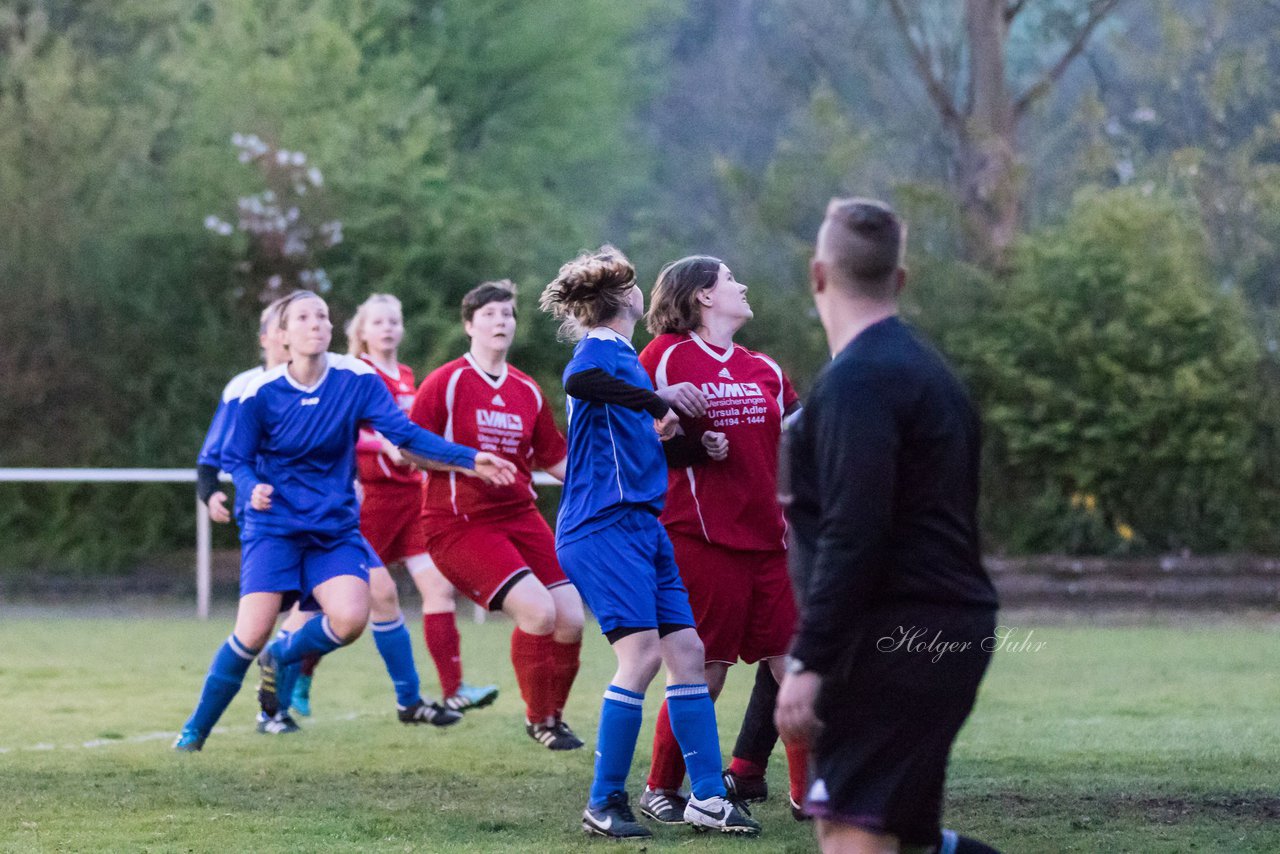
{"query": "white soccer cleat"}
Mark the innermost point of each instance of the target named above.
(722, 814)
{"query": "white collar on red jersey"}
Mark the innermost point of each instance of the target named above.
(365, 357)
(502, 377)
(709, 350)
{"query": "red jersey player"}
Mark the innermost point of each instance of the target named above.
(389, 513)
(491, 542)
(722, 512)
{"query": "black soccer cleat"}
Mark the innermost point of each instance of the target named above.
(665, 806)
(278, 724)
(268, 700)
(428, 713)
(745, 790)
(556, 736)
(614, 820)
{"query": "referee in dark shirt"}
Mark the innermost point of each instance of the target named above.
(897, 613)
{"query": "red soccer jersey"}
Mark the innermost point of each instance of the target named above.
(508, 416)
(373, 466)
(732, 503)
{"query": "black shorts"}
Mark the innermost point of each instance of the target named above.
(891, 713)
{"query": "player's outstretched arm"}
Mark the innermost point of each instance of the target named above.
(381, 412)
(429, 465)
(599, 386)
(490, 468)
(494, 470)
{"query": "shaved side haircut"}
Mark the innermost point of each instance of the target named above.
(863, 241)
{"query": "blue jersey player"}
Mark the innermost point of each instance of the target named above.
(291, 455)
(612, 546)
(391, 638)
(209, 463)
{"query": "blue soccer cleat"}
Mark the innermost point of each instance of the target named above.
(189, 740)
(470, 697)
(301, 700)
(613, 820)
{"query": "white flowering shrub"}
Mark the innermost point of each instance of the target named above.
(284, 225)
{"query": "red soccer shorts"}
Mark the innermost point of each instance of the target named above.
(389, 520)
(480, 557)
(741, 599)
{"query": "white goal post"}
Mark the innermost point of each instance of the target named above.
(204, 533)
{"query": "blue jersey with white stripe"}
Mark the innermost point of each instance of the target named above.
(302, 441)
(224, 418)
(615, 460)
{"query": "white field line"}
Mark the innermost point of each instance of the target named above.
(164, 736)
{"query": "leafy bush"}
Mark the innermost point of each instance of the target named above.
(1114, 373)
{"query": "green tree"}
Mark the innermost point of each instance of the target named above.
(459, 141)
(1117, 379)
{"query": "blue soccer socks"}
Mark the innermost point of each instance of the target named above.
(693, 720)
(226, 674)
(620, 716)
(396, 648)
(315, 637)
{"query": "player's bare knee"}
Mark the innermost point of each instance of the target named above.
(253, 637)
(568, 632)
(568, 626)
(384, 603)
(439, 601)
(532, 607)
(569, 614)
(639, 658)
(684, 655)
(537, 621)
(348, 623)
(640, 672)
(437, 593)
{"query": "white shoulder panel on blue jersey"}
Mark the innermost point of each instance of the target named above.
(239, 383)
(349, 363)
(262, 379)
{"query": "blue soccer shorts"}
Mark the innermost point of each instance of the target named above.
(627, 574)
(296, 564)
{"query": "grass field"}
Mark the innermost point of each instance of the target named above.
(1106, 739)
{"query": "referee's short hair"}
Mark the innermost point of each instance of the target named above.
(863, 240)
